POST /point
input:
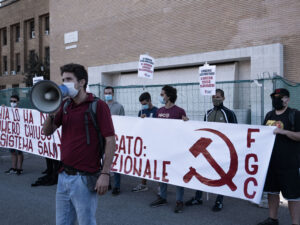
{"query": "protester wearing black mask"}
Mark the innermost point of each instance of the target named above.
(221, 114)
(284, 169)
(280, 100)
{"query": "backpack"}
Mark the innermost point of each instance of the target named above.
(292, 115)
(92, 112)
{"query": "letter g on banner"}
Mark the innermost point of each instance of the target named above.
(200, 147)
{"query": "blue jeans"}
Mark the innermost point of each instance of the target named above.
(74, 198)
(179, 192)
(198, 196)
(117, 179)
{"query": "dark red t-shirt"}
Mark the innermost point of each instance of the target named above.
(74, 149)
(174, 112)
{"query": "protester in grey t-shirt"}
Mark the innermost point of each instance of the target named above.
(115, 109)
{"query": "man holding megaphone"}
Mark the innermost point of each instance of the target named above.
(80, 144)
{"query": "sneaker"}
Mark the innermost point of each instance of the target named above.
(193, 201)
(19, 171)
(158, 202)
(269, 221)
(42, 181)
(115, 191)
(10, 171)
(51, 182)
(178, 207)
(139, 188)
(217, 207)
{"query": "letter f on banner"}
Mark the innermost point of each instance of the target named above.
(249, 139)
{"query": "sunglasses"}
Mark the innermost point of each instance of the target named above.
(13, 101)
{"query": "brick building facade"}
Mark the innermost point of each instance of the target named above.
(24, 31)
(117, 32)
(181, 35)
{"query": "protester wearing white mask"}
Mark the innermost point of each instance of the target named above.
(72, 91)
(79, 180)
(115, 109)
(16, 156)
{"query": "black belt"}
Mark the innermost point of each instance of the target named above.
(73, 171)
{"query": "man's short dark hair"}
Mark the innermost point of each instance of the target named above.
(145, 96)
(220, 91)
(78, 70)
(16, 97)
(110, 87)
(170, 92)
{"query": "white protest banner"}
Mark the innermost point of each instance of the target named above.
(37, 79)
(227, 159)
(207, 79)
(21, 129)
(146, 67)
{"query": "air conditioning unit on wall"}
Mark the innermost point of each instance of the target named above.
(13, 72)
(33, 34)
(46, 32)
(5, 73)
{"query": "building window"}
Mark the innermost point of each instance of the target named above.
(18, 64)
(5, 64)
(17, 33)
(4, 36)
(15, 85)
(47, 27)
(31, 29)
(2, 87)
(47, 55)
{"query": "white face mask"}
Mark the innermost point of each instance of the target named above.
(108, 97)
(13, 104)
(72, 91)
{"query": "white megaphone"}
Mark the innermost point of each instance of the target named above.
(46, 96)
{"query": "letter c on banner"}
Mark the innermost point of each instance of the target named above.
(250, 196)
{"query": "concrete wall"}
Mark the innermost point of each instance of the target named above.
(170, 76)
(249, 63)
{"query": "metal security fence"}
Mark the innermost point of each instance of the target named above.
(23, 93)
(244, 97)
(249, 99)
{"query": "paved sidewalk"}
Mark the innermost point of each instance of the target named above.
(22, 204)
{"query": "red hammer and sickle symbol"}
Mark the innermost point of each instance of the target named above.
(200, 147)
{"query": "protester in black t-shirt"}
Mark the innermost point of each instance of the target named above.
(284, 169)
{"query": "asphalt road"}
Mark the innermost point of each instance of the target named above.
(22, 204)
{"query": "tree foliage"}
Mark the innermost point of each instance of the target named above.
(37, 67)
